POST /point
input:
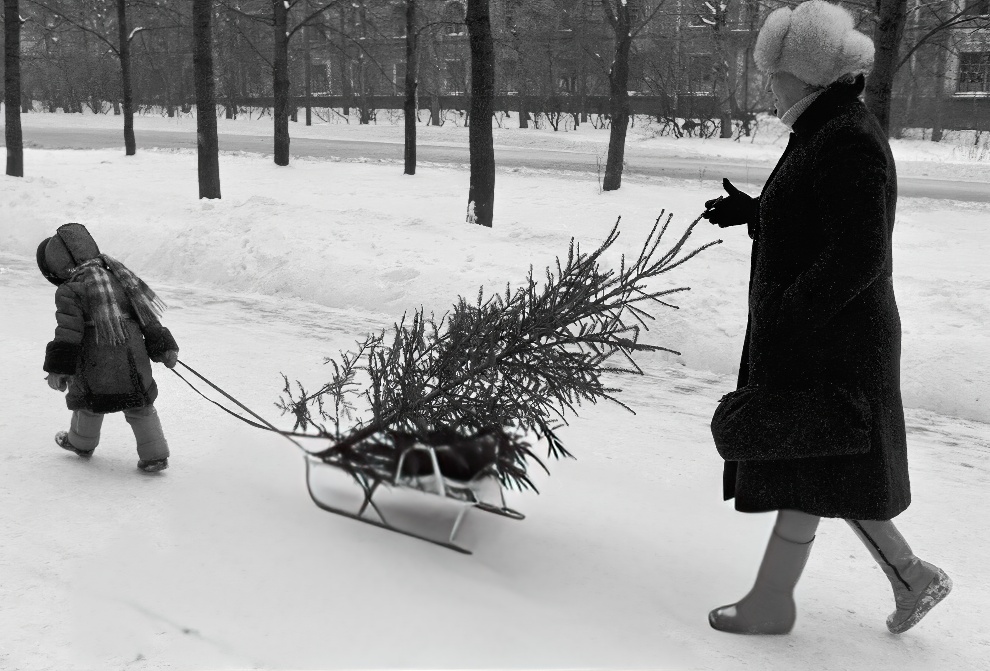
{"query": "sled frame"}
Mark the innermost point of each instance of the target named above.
(370, 478)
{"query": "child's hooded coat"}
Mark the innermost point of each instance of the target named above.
(105, 377)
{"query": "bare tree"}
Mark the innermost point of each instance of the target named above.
(620, 15)
(124, 52)
(308, 70)
(96, 22)
(206, 110)
(717, 19)
(409, 106)
(891, 17)
(12, 88)
(283, 33)
(280, 80)
(481, 193)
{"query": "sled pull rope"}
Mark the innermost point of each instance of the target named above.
(265, 424)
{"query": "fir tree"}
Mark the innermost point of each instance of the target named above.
(493, 371)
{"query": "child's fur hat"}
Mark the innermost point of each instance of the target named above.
(815, 42)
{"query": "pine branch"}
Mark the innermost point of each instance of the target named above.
(500, 366)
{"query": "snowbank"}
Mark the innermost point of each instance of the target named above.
(365, 237)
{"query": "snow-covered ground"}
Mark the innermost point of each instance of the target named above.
(223, 562)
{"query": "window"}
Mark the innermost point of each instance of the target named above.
(974, 73)
(567, 84)
(399, 20)
(455, 78)
(453, 16)
(701, 73)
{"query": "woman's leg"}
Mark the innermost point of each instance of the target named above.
(769, 607)
(917, 585)
(795, 526)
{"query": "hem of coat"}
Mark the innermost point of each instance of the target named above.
(847, 514)
(107, 403)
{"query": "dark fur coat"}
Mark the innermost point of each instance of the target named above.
(822, 308)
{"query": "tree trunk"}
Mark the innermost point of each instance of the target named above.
(206, 111)
(409, 107)
(308, 71)
(280, 83)
(523, 114)
(724, 73)
(12, 88)
(618, 84)
(941, 52)
(364, 111)
(124, 52)
(481, 193)
(435, 109)
(584, 92)
(891, 16)
(345, 63)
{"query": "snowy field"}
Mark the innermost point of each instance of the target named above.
(223, 562)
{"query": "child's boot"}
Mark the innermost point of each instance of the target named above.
(918, 586)
(769, 607)
(153, 465)
(62, 440)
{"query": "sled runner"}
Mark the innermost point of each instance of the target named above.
(366, 481)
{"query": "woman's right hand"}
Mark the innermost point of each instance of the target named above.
(735, 209)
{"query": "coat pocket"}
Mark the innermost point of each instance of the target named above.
(766, 423)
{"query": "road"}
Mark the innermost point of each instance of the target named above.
(637, 163)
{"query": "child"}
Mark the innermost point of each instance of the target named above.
(107, 335)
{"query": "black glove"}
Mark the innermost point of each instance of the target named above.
(733, 210)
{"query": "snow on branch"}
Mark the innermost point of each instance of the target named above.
(501, 367)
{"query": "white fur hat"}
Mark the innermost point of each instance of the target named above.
(815, 42)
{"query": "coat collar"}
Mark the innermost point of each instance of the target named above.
(827, 106)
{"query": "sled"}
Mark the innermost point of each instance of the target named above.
(376, 470)
(357, 499)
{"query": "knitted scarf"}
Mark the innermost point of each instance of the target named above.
(102, 301)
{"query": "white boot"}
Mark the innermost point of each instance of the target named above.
(917, 585)
(769, 607)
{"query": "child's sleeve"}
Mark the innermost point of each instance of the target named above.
(158, 340)
(62, 353)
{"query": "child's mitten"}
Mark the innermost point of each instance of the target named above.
(58, 381)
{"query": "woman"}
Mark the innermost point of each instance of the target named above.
(822, 311)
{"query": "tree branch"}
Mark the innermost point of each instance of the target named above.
(952, 22)
(313, 15)
(78, 25)
(653, 14)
